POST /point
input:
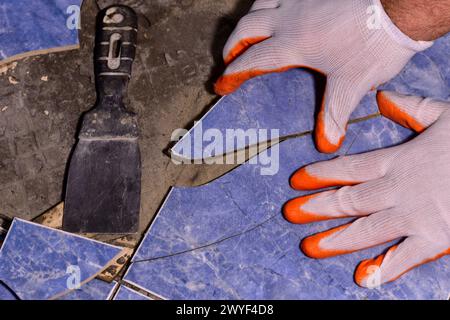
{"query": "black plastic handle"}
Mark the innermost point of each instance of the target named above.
(115, 48)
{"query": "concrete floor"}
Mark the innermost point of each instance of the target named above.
(178, 58)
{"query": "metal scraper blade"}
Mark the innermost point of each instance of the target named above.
(103, 187)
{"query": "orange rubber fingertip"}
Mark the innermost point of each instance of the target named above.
(310, 246)
(392, 111)
(241, 47)
(322, 142)
(229, 83)
(366, 268)
(302, 180)
(293, 212)
(369, 266)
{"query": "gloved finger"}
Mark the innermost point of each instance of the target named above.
(412, 112)
(398, 260)
(262, 58)
(344, 171)
(356, 201)
(253, 28)
(265, 4)
(340, 100)
(363, 233)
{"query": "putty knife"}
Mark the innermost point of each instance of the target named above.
(104, 177)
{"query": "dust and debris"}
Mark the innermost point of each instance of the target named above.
(165, 98)
(4, 69)
(13, 80)
(4, 108)
(170, 61)
(44, 78)
(46, 112)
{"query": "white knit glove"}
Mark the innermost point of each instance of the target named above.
(353, 42)
(400, 192)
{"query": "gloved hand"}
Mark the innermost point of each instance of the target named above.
(353, 42)
(398, 192)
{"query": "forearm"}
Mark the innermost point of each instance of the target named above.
(420, 19)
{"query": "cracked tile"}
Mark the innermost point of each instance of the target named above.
(39, 263)
(259, 104)
(209, 244)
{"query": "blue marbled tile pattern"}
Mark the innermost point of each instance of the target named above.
(228, 239)
(34, 25)
(287, 101)
(93, 290)
(6, 294)
(125, 293)
(34, 259)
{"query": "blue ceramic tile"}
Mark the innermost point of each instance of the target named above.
(6, 294)
(125, 293)
(286, 101)
(35, 25)
(34, 260)
(228, 239)
(93, 290)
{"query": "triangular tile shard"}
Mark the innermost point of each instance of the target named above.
(287, 102)
(125, 293)
(39, 263)
(228, 239)
(37, 27)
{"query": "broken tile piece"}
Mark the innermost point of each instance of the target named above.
(93, 290)
(125, 293)
(228, 239)
(40, 263)
(287, 101)
(37, 27)
(6, 294)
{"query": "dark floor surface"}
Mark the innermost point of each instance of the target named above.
(42, 98)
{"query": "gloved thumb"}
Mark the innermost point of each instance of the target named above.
(412, 112)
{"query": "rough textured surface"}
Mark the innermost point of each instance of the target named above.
(125, 293)
(35, 26)
(287, 101)
(34, 260)
(228, 239)
(177, 60)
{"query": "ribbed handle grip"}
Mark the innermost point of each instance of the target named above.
(116, 41)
